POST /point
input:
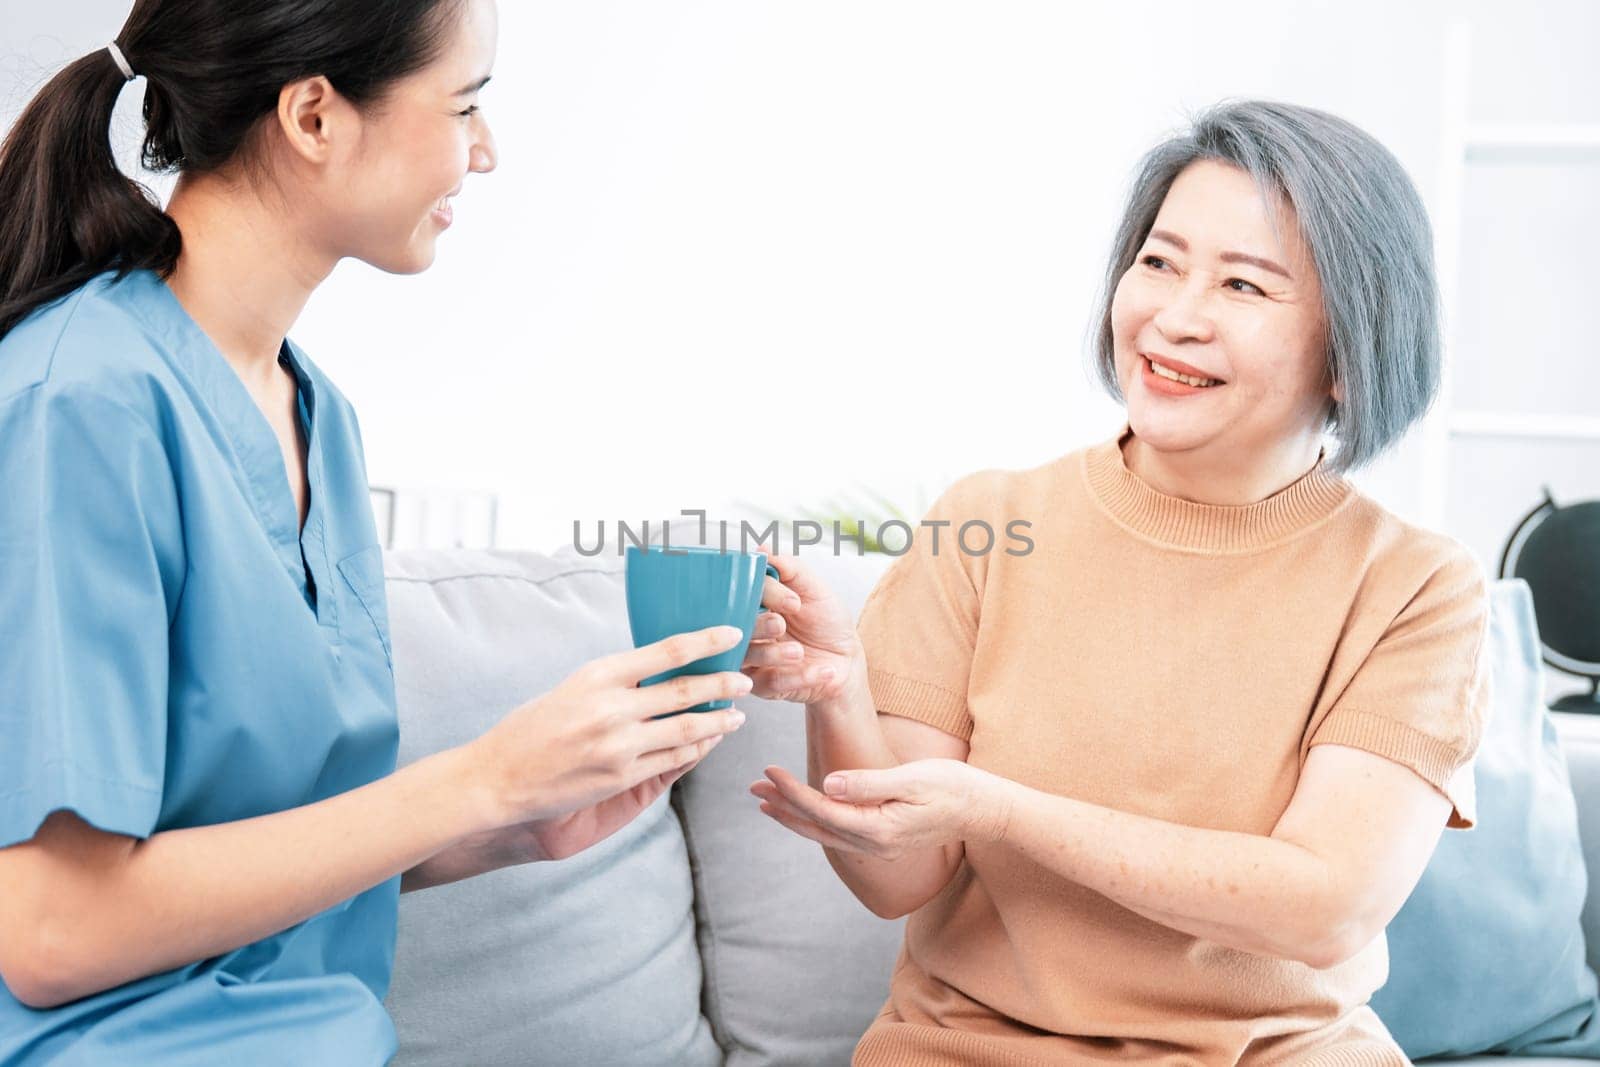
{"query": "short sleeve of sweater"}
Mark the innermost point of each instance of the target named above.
(1421, 697)
(919, 625)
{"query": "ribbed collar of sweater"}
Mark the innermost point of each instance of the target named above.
(1218, 528)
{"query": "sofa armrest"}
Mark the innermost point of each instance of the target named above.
(1580, 743)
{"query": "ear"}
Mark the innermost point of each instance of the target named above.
(1337, 391)
(310, 111)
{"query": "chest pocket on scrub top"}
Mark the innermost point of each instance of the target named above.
(363, 573)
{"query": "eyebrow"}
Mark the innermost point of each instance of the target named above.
(1227, 257)
(474, 87)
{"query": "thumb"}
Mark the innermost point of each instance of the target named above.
(870, 786)
(798, 577)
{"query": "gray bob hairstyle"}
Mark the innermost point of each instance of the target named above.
(1367, 233)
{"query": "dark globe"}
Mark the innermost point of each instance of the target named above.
(1556, 550)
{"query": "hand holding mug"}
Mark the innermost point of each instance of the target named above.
(599, 733)
(805, 647)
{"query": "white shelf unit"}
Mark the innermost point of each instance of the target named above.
(1530, 427)
(1508, 141)
(1463, 143)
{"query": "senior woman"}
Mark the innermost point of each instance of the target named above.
(1152, 790)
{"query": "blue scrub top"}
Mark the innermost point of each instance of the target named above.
(178, 652)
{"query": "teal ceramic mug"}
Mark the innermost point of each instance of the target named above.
(677, 590)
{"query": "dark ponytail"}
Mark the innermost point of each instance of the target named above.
(69, 213)
(213, 70)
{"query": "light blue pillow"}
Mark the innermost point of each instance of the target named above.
(1487, 955)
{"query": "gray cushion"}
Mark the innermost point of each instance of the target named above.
(588, 961)
(796, 968)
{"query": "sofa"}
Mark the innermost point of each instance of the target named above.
(703, 933)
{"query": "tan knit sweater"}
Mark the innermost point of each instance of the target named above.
(1175, 660)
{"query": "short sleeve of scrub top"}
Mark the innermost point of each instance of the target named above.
(180, 652)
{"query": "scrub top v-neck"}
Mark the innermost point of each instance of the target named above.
(180, 652)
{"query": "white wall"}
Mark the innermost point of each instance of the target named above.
(765, 250)
(744, 249)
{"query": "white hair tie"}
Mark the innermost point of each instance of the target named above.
(122, 61)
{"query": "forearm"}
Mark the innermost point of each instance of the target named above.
(1245, 891)
(845, 735)
(185, 895)
(468, 858)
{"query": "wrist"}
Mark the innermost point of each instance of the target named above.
(850, 696)
(994, 807)
(470, 785)
(507, 846)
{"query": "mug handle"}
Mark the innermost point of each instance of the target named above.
(773, 573)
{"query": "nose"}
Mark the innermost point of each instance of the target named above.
(1184, 316)
(483, 157)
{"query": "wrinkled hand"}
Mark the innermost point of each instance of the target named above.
(889, 813)
(804, 648)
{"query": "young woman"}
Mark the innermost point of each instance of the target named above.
(1152, 791)
(202, 831)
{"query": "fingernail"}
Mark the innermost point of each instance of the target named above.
(746, 683)
(729, 633)
(833, 785)
(737, 719)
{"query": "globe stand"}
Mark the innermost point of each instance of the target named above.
(1586, 702)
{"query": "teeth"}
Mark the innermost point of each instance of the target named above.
(1168, 372)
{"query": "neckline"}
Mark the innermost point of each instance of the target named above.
(259, 462)
(1209, 528)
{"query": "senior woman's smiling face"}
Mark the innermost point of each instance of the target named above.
(1218, 327)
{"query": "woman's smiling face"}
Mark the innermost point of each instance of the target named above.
(1217, 292)
(393, 183)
